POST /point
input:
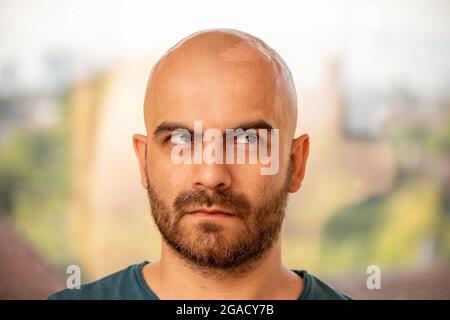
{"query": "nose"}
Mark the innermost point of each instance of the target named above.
(215, 177)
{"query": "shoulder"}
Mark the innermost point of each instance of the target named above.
(124, 284)
(317, 289)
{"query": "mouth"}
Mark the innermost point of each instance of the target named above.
(211, 213)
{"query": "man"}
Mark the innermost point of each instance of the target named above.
(220, 220)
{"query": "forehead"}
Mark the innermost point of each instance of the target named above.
(219, 90)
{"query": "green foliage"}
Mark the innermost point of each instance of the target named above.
(34, 186)
(348, 236)
(395, 228)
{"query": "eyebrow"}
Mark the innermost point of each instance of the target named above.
(258, 124)
(170, 126)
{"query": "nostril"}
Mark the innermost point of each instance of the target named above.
(221, 186)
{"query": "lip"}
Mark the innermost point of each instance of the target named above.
(211, 213)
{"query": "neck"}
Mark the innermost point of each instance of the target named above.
(172, 278)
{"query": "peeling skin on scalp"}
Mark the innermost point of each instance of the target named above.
(243, 51)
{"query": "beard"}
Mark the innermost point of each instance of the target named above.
(205, 245)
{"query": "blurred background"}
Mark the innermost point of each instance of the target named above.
(373, 80)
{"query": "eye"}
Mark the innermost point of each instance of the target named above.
(180, 137)
(247, 138)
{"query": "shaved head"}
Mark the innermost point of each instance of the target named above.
(223, 79)
(218, 56)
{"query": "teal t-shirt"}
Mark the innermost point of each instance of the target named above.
(129, 284)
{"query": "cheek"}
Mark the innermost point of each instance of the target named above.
(168, 178)
(248, 180)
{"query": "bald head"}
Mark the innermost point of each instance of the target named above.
(220, 80)
(222, 69)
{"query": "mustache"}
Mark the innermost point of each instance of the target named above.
(227, 200)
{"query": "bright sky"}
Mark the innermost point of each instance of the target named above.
(306, 33)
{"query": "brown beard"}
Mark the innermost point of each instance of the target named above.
(206, 248)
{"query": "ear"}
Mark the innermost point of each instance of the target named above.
(299, 155)
(140, 148)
